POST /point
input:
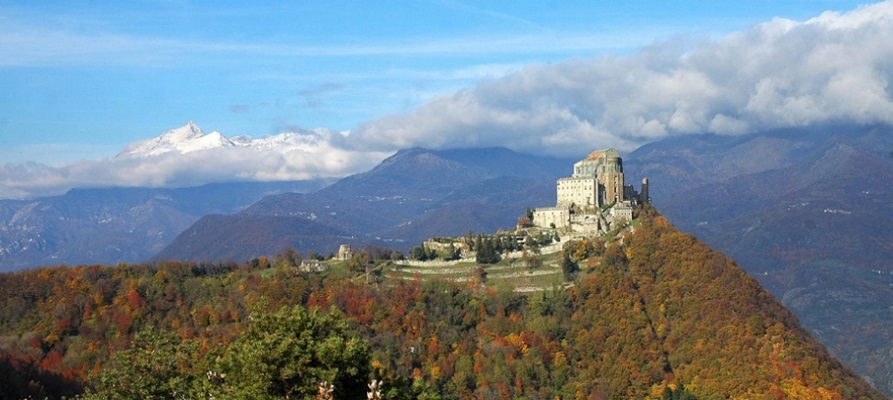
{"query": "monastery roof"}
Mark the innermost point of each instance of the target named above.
(609, 152)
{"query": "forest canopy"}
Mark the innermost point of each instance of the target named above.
(652, 314)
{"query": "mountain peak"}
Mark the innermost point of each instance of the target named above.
(189, 131)
(185, 133)
(185, 139)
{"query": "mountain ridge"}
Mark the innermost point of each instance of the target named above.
(108, 225)
(190, 138)
(379, 205)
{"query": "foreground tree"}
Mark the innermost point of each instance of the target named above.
(158, 365)
(285, 355)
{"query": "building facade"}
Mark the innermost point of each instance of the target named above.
(597, 181)
(596, 186)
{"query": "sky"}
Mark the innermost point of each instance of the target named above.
(357, 81)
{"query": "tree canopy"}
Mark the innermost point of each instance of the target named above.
(281, 355)
(653, 314)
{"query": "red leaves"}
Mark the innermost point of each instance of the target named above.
(52, 361)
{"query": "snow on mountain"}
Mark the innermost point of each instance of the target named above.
(242, 140)
(186, 156)
(190, 138)
(185, 139)
(290, 141)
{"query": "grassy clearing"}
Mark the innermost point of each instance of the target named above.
(511, 273)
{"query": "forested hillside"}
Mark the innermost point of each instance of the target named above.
(805, 211)
(655, 314)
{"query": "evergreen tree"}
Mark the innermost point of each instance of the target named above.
(418, 253)
(486, 251)
(568, 267)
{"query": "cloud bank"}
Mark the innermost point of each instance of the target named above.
(782, 73)
(289, 156)
(837, 67)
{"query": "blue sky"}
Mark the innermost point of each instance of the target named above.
(82, 80)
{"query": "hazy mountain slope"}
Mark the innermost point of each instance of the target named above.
(486, 206)
(816, 230)
(680, 164)
(411, 196)
(837, 204)
(242, 237)
(108, 225)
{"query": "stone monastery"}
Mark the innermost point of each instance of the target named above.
(594, 198)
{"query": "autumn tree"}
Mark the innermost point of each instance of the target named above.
(288, 258)
(158, 365)
(287, 353)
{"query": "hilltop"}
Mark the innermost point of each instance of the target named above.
(653, 313)
(805, 211)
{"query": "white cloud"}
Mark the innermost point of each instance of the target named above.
(291, 156)
(781, 73)
(833, 68)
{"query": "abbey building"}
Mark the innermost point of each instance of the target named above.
(594, 197)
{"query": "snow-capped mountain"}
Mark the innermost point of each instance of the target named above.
(288, 141)
(186, 156)
(185, 139)
(190, 138)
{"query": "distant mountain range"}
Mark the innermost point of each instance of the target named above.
(105, 226)
(409, 197)
(806, 211)
(190, 138)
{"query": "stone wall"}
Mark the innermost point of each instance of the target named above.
(545, 217)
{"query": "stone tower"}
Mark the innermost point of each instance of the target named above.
(643, 195)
